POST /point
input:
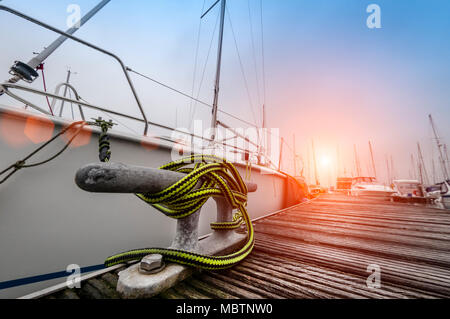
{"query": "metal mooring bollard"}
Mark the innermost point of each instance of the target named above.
(151, 275)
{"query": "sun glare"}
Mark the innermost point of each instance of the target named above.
(325, 161)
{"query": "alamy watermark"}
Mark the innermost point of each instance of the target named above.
(374, 279)
(74, 18)
(74, 279)
(374, 19)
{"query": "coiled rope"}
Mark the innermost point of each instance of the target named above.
(208, 176)
(217, 178)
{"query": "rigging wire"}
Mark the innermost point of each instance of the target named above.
(204, 70)
(41, 67)
(113, 118)
(254, 52)
(188, 96)
(263, 117)
(263, 54)
(169, 87)
(242, 68)
(196, 59)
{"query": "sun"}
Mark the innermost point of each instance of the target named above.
(325, 161)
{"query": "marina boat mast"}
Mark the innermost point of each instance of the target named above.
(388, 170)
(439, 146)
(295, 156)
(315, 164)
(422, 169)
(218, 67)
(373, 161)
(392, 168)
(357, 165)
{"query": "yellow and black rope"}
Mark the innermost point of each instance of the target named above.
(217, 178)
(206, 176)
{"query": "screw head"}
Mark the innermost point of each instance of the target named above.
(152, 263)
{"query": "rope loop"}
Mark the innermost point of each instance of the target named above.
(19, 164)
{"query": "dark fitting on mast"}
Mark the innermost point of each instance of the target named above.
(23, 71)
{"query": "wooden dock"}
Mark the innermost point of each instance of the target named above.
(322, 249)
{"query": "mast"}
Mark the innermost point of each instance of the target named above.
(422, 168)
(434, 170)
(446, 157)
(338, 162)
(388, 170)
(281, 153)
(419, 166)
(308, 164)
(266, 142)
(295, 157)
(373, 162)
(219, 63)
(40, 58)
(439, 146)
(358, 168)
(315, 164)
(392, 168)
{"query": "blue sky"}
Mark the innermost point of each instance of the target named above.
(328, 76)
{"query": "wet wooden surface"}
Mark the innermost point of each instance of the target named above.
(322, 249)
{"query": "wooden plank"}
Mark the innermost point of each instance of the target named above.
(350, 281)
(236, 287)
(420, 269)
(210, 290)
(318, 284)
(190, 293)
(438, 257)
(281, 282)
(358, 223)
(392, 271)
(171, 294)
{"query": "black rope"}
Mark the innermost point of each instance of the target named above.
(104, 146)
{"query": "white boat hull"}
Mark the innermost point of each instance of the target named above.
(445, 201)
(376, 194)
(48, 223)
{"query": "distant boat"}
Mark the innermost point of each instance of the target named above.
(369, 187)
(344, 184)
(445, 194)
(408, 188)
(410, 191)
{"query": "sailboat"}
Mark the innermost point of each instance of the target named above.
(368, 186)
(47, 223)
(442, 189)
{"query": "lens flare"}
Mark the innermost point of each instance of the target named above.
(39, 130)
(150, 143)
(83, 138)
(12, 130)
